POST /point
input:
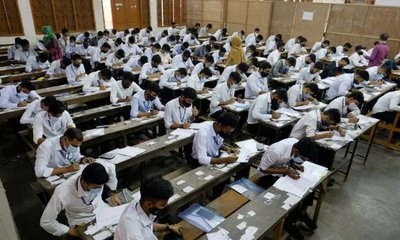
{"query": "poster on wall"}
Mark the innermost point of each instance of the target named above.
(308, 16)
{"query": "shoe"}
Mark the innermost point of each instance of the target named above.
(293, 231)
(309, 223)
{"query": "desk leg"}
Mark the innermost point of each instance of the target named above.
(278, 229)
(370, 141)
(351, 159)
(322, 191)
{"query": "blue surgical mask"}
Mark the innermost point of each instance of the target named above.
(22, 95)
(178, 78)
(296, 159)
(203, 80)
(72, 150)
(53, 119)
(95, 191)
(352, 107)
(234, 86)
(306, 96)
(379, 76)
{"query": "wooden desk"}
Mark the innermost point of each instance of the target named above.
(23, 76)
(7, 114)
(285, 81)
(65, 88)
(12, 69)
(372, 94)
(92, 113)
(394, 75)
(50, 82)
(87, 97)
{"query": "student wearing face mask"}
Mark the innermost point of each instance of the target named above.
(84, 49)
(343, 50)
(179, 112)
(257, 83)
(165, 54)
(180, 48)
(302, 94)
(207, 63)
(272, 44)
(316, 121)
(52, 123)
(348, 106)
(264, 108)
(146, 102)
(219, 56)
(104, 39)
(241, 68)
(100, 55)
(331, 69)
(275, 54)
(123, 90)
(202, 51)
(34, 108)
(58, 67)
(94, 41)
(318, 45)
(378, 74)
(310, 74)
(137, 221)
(151, 69)
(253, 40)
(196, 81)
(14, 96)
(98, 81)
(153, 50)
(304, 61)
(343, 83)
(79, 196)
(224, 94)
(37, 64)
(11, 49)
(357, 59)
(71, 47)
(24, 52)
(135, 64)
(115, 59)
(191, 39)
(325, 53)
(75, 71)
(182, 60)
(298, 48)
(283, 67)
(285, 158)
(173, 77)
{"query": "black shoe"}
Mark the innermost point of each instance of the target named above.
(293, 231)
(309, 223)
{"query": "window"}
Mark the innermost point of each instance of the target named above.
(10, 19)
(76, 15)
(171, 11)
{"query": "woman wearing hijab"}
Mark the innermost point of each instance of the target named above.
(51, 43)
(236, 55)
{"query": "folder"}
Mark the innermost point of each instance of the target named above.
(246, 188)
(201, 217)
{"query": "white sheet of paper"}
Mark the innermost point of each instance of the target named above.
(102, 235)
(286, 206)
(52, 178)
(282, 118)
(92, 229)
(92, 133)
(269, 195)
(239, 188)
(183, 132)
(130, 151)
(199, 173)
(242, 225)
(180, 182)
(209, 177)
(109, 216)
(188, 189)
(220, 235)
(288, 112)
(173, 198)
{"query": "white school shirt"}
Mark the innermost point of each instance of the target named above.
(274, 57)
(112, 59)
(192, 42)
(135, 224)
(63, 41)
(260, 109)
(31, 111)
(195, 82)
(43, 127)
(321, 53)
(251, 35)
(296, 49)
(132, 63)
(388, 103)
(289, 44)
(339, 51)
(340, 86)
(172, 31)
(306, 76)
(206, 144)
(9, 97)
(251, 41)
(301, 63)
(177, 62)
(255, 84)
(140, 104)
(221, 93)
(118, 91)
(168, 78)
(163, 41)
(227, 71)
(81, 50)
(148, 69)
(317, 46)
(11, 52)
(218, 35)
(55, 68)
(21, 55)
(78, 204)
(276, 155)
(295, 94)
(50, 155)
(165, 58)
(269, 47)
(120, 34)
(373, 74)
(176, 114)
(203, 31)
(200, 66)
(72, 72)
(356, 60)
(217, 58)
(82, 37)
(32, 64)
(307, 125)
(92, 82)
(340, 104)
(97, 56)
(143, 33)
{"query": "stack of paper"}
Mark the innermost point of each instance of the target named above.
(249, 144)
(109, 216)
(130, 151)
(304, 107)
(92, 133)
(182, 133)
(288, 112)
(282, 118)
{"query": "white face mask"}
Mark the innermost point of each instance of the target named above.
(234, 86)
(203, 79)
(352, 107)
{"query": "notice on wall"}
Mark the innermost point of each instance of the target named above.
(308, 16)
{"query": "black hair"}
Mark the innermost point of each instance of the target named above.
(100, 33)
(278, 36)
(48, 100)
(106, 45)
(154, 87)
(319, 65)
(156, 59)
(282, 94)
(73, 38)
(76, 57)
(265, 65)
(65, 61)
(312, 57)
(280, 44)
(86, 34)
(27, 84)
(333, 49)
(128, 76)
(348, 45)
(327, 42)
(24, 42)
(307, 147)
(356, 95)
(292, 61)
(206, 71)
(208, 48)
(209, 25)
(209, 59)
(131, 39)
(256, 29)
(118, 40)
(143, 59)
(43, 56)
(333, 114)
(74, 133)
(185, 45)
(254, 61)
(182, 71)
(105, 72)
(252, 48)
(346, 60)
(189, 93)
(212, 38)
(312, 86)
(243, 67)
(197, 24)
(222, 49)
(384, 37)
(57, 107)
(363, 74)
(227, 119)
(149, 28)
(95, 173)
(260, 37)
(359, 47)
(186, 53)
(64, 30)
(166, 48)
(157, 46)
(120, 52)
(158, 189)
(235, 76)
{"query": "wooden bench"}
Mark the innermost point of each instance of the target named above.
(391, 128)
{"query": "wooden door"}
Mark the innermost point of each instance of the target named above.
(126, 14)
(133, 13)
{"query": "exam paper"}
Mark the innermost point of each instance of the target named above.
(130, 151)
(92, 133)
(109, 215)
(183, 132)
(288, 112)
(282, 118)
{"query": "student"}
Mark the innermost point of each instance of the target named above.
(250, 51)
(205, 30)
(348, 106)
(182, 61)
(241, 68)
(275, 55)
(387, 107)
(202, 51)
(63, 40)
(22, 54)
(173, 77)
(224, 94)
(253, 34)
(115, 59)
(60, 154)
(71, 47)
(342, 50)
(377, 74)
(172, 30)
(165, 54)
(180, 48)
(197, 28)
(380, 52)
(104, 39)
(207, 63)
(52, 123)
(34, 108)
(116, 45)
(137, 221)
(298, 48)
(13, 48)
(236, 55)
(357, 59)
(283, 67)
(75, 71)
(94, 41)
(122, 34)
(304, 61)
(331, 69)
(393, 64)
(14, 96)
(145, 32)
(302, 94)
(179, 112)
(143, 102)
(196, 81)
(85, 50)
(98, 81)
(326, 53)
(123, 90)
(257, 83)
(37, 64)
(291, 42)
(343, 83)
(264, 107)
(254, 40)
(239, 34)
(219, 56)
(135, 64)
(318, 45)
(220, 34)
(100, 55)
(272, 44)
(314, 121)
(153, 50)
(208, 141)
(151, 69)
(79, 196)
(309, 74)
(191, 39)
(81, 37)
(283, 158)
